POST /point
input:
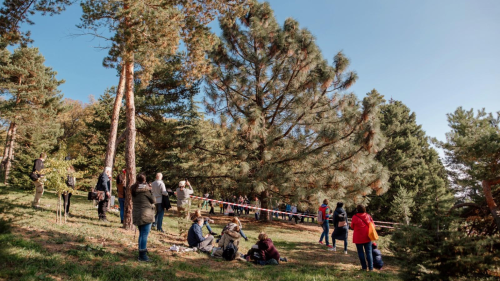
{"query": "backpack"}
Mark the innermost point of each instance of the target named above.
(70, 181)
(230, 251)
(33, 176)
(322, 214)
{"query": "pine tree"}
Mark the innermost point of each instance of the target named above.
(295, 136)
(145, 32)
(33, 99)
(402, 205)
(472, 148)
(407, 156)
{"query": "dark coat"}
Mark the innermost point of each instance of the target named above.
(103, 183)
(267, 250)
(144, 210)
(195, 235)
(340, 233)
(377, 258)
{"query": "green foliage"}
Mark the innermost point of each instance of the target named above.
(408, 157)
(56, 172)
(291, 131)
(32, 106)
(402, 206)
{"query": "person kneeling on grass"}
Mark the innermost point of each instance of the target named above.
(264, 252)
(377, 257)
(196, 239)
(229, 237)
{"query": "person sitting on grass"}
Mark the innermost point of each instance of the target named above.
(206, 221)
(377, 257)
(228, 237)
(235, 222)
(265, 253)
(196, 239)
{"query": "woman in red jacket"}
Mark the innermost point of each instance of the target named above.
(359, 223)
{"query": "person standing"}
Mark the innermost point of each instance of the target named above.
(120, 188)
(211, 204)
(36, 174)
(103, 188)
(360, 225)
(159, 190)
(294, 212)
(183, 198)
(71, 183)
(205, 202)
(143, 213)
(256, 204)
(341, 226)
(325, 213)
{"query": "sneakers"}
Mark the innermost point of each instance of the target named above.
(333, 249)
(345, 252)
(321, 242)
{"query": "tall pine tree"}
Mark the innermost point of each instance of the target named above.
(33, 102)
(408, 156)
(295, 135)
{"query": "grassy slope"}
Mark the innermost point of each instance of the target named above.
(33, 246)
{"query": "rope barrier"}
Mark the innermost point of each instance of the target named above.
(275, 211)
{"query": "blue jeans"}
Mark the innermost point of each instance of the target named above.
(345, 244)
(243, 234)
(208, 226)
(326, 231)
(122, 207)
(143, 235)
(160, 211)
(257, 216)
(368, 250)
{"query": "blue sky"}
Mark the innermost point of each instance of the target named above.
(432, 55)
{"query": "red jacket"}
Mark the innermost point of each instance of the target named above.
(267, 250)
(360, 235)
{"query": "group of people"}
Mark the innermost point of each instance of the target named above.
(369, 256)
(151, 200)
(263, 252)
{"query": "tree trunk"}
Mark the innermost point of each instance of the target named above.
(6, 148)
(130, 143)
(264, 200)
(113, 130)
(490, 200)
(10, 153)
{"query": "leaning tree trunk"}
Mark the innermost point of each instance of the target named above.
(495, 212)
(10, 153)
(130, 143)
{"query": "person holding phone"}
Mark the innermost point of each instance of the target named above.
(184, 192)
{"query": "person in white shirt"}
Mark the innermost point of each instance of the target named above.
(158, 188)
(294, 211)
(183, 193)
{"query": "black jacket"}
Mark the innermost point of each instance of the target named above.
(340, 233)
(377, 258)
(37, 165)
(103, 183)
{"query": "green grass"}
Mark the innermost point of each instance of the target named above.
(34, 247)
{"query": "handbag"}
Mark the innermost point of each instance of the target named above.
(92, 195)
(372, 232)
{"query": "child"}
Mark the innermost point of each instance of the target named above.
(377, 257)
(264, 252)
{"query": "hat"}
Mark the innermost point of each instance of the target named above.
(124, 171)
(374, 244)
(182, 183)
